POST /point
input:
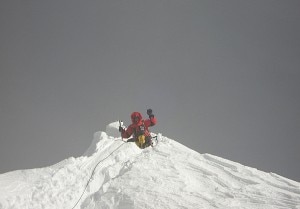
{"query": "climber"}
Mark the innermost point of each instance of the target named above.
(139, 129)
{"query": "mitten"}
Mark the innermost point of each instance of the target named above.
(149, 113)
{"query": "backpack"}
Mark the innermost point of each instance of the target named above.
(142, 136)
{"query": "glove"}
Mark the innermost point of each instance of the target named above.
(121, 130)
(149, 113)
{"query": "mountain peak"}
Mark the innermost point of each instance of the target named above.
(115, 174)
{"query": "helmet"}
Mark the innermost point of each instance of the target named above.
(136, 117)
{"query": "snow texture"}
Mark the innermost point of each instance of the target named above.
(123, 176)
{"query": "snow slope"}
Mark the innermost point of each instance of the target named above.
(169, 175)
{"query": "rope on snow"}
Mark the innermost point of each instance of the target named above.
(94, 171)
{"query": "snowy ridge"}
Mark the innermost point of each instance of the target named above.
(169, 175)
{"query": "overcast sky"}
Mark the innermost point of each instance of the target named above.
(222, 77)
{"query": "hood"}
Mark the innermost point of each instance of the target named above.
(134, 115)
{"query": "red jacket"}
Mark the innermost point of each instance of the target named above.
(138, 124)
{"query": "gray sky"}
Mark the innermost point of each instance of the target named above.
(222, 77)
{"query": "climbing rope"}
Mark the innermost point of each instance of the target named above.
(94, 171)
(153, 137)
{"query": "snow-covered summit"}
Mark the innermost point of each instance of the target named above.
(169, 175)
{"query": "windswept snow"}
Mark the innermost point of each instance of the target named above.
(169, 175)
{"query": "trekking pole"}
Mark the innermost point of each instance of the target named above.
(120, 124)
